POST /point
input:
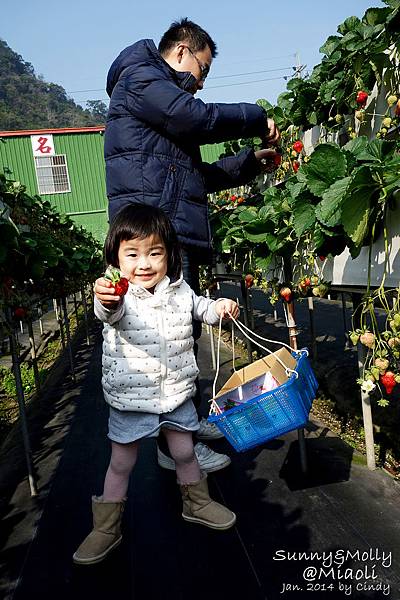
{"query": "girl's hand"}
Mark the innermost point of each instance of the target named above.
(226, 308)
(105, 293)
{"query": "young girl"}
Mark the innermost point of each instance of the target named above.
(149, 370)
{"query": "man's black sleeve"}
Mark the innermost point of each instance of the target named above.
(231, 171)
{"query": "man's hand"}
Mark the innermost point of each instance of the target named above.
(274, 135)
(226, 307)
(269, 158)
(105, 293)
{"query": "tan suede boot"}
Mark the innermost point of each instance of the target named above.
(199, 508)
(106, 532)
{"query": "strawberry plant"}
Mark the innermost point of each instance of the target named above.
(43, 254)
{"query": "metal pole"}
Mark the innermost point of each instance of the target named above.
(22, 410)
(312, 326)
(60, 324)
(85, 315)
(246, 317)
(291, 325)
(250, 305)
(76, 309)
(291, 322)
(211, 332)
(67, 330)
(347, 343)
(40, 313)
(33, 355)
(367, 414)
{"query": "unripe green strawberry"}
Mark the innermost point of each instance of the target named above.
(360, 115)
(368, 339)
(315, 291)
(387, 121)
(354, 338)
(375, 372)
(382, 364)
(314, 280)
(339, 118)
(392, 100)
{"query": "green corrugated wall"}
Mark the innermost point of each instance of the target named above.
(87, 201)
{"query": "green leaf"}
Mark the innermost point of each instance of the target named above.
(285, 101)
(377, 150)
(357, 205)
(255, 237)
(326, 165)
(303, 216)
(373, 16)
(264, 104)
(329, 210)
(330, 45)
(248, 214)
(295, 187)
(350, 24)
(357, 145)
(263, 262)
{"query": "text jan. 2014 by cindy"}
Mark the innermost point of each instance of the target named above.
(340, 570)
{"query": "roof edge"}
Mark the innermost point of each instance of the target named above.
(23, 132)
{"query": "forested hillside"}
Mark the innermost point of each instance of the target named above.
(29, 102)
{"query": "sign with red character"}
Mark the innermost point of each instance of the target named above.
(42, 145)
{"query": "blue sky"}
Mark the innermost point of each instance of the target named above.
(73, 43)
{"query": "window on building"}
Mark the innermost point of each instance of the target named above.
(52, 174)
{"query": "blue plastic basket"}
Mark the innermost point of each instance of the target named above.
(272, 413)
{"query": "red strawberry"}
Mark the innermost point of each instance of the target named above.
(296, 165)
(233, 198)
(322, 258)
(277, 160)
(362, 98)
(298, 146)
(286, 293)
(397, 109)
(388, 380)
(120, 283)
(121, 286)
(249, 280)
(20, 313)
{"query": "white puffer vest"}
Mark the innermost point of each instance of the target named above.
(148, 359)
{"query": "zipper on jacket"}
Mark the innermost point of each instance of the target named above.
(163, 352)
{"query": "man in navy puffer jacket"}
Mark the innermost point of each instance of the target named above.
(155, 127)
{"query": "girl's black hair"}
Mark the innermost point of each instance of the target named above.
(141, 221)
(186, 31)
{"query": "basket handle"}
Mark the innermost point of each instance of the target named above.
(215, 409)
(242, 328)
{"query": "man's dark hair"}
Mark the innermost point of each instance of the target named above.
(141, 221)
(186, 31)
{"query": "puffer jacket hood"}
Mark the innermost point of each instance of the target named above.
(142, 52)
